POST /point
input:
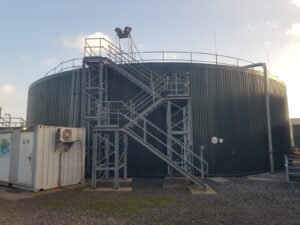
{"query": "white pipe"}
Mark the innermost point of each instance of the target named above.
(268, 114)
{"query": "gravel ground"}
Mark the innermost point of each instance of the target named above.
(240, 201)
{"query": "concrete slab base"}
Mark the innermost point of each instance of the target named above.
(182, 184)
(175, 178)
(219, 179)
(111, 180)
(197, 191)
(15, 194)
(254, 178)
(121, 189)
(267, 177)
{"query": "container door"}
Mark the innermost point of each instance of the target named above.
(25, 169)
(5, 152)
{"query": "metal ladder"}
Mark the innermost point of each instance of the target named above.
(126, 117)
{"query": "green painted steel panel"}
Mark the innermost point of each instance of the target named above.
(228, 103)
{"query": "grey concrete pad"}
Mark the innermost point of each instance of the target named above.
(267, 177)
(182, 184)
(197, 191)
(15, 194)
(104, 189)
(254, 178)
(12, 194)
(111, 180)
(219, 179)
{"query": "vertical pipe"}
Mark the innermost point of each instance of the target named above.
(82, 92)
(116, 179)
(268, 114)
(94, 161)
(268, 117)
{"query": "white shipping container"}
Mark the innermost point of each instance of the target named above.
(42, 158)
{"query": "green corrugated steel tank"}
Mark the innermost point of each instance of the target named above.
(228, 102)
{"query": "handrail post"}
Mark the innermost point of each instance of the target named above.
(100, 46)
(191, 57)
(286, 164)
(153, 91)
(202, 162)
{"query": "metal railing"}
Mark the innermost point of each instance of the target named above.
(156, 88)
(12, 122)
(192, 57)
(103, 47)
(117, 114)
(292, 166)
(65, 66)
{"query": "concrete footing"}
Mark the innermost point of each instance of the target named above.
(107, 189)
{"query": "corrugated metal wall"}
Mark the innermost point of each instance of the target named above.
(228, 103)
(296, 133)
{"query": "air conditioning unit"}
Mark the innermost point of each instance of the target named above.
(65, 135)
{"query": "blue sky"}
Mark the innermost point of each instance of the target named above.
(36, 35)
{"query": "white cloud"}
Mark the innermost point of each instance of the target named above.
(78, 42)
(286, 65)
(262, 25)
(296, 2)
(7, 89)
(295, 30)
(50, 62)
(12, 100)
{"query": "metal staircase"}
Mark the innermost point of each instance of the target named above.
(111, 122)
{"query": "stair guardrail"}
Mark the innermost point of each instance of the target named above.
(292, 166)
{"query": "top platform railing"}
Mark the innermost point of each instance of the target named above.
(100, 47)
(66, 66)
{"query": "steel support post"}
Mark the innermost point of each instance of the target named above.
(169, 141)
(145, 130)
(190, 129)
(202, 162)
(116, 169)
(89, 149)
(185, 137)
(101, 89)
(286, 164)
(125, 155)
(94, 161)
(106, 155)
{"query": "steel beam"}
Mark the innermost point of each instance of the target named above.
(116, 179)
